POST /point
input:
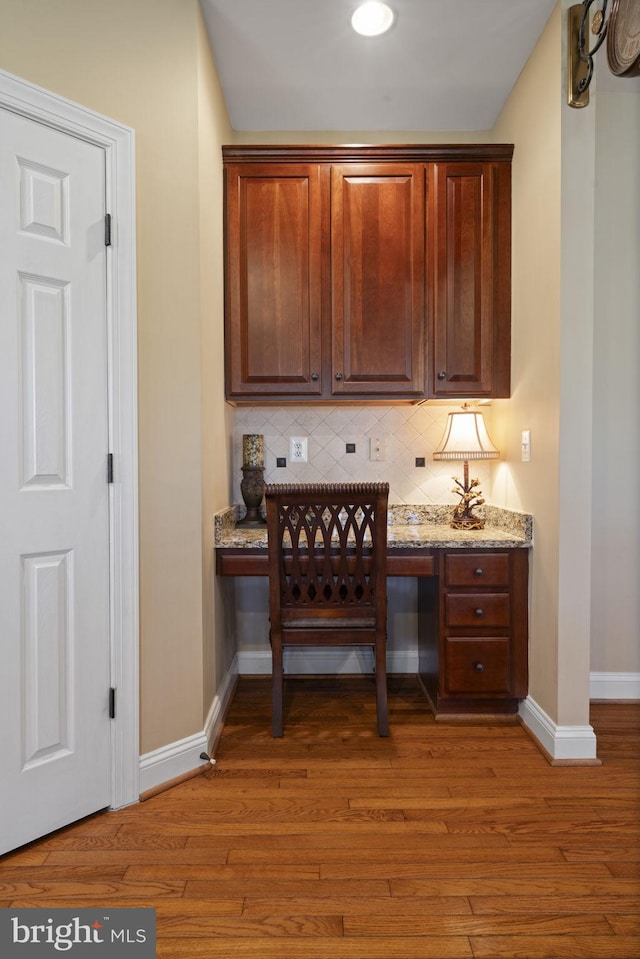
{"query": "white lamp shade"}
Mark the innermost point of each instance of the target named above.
(466, 438)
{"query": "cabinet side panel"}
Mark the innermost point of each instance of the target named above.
(520, 621)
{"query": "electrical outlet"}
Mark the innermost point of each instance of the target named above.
(526, 446)
(377, 448)
(298, 449)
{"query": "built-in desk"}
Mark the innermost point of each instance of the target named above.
(253, 561)
(472, 600)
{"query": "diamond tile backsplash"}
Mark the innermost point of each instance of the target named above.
(407, 432)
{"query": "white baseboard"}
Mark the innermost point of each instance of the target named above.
(614, 686)
(318, 661)
(560, 742)
(220, 705)
(169, 762)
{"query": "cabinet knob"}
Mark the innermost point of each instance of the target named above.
(479, 612)
(338, 376)
(442, 375)
(479, 667)
(315, 377)
(478, 572)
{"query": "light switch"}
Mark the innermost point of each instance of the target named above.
(377, 451)
(526, 446)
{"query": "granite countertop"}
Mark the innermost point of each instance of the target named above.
(416, 527)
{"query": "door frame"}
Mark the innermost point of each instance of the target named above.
(118, 142)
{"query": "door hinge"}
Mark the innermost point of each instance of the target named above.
(112, 703)
(109, 467)
(107, 229)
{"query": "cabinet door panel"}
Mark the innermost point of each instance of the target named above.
(378, 279)
(469, 249)
(273, 310)
(477, 667)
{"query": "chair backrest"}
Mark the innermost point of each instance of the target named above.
(327, 551)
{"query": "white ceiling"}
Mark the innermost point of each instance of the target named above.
(298, 65)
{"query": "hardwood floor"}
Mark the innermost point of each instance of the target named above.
(441, 841)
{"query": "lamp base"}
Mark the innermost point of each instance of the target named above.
(469, 522)
(470, 497)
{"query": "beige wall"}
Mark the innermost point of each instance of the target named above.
(576, 303)
(615, 596)
(576, 404)
(137, 62)
(531, 119)
(214, 130)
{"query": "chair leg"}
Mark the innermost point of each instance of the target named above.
(277, 684)
(381, 688)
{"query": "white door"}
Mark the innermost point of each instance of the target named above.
(54, 502)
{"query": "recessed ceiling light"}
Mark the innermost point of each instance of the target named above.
(372, 18)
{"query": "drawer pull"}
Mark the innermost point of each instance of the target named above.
(478, 572)
(479, 612)
(479, 667)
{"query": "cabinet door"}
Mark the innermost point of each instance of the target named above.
(377, 244)
(273, 279)
(469, 254)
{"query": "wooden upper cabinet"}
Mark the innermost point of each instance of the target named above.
(367, 272)
(273, 296)
(377, 279)
(469, 263)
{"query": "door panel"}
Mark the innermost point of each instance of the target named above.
(377, 253)
(43, 309)
(468, 243)
(47, 601)
(54, 503)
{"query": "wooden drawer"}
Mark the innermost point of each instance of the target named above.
(410, 564)
(477, 609)
(477, 569)
(477, 667)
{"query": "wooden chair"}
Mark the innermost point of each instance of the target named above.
(327, 575)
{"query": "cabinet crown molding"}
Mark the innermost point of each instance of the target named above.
(344, 153)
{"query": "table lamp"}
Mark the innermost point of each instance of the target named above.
(466, 438)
